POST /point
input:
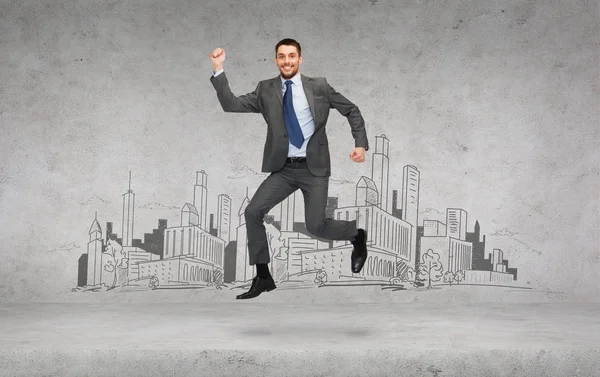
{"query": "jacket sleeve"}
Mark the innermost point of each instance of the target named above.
(352, 113)
(246, 103)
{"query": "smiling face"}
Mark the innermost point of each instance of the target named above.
(288, 61)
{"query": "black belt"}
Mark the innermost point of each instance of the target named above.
(294, 160)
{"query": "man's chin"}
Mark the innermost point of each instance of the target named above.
(287, 75)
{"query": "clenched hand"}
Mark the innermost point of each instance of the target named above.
(217, 57)
(358, 154)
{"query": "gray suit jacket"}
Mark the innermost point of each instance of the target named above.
(267, 100)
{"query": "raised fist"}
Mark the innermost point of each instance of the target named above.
(217, 57)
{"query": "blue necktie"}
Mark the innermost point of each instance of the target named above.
(290, 118)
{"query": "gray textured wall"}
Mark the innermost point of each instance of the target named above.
(495, 103)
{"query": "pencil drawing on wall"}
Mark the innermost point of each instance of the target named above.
(408, 249)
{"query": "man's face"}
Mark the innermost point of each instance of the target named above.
(288, 61)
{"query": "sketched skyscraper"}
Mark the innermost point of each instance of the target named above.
(200, 199)
(381, 169)
(456, 223)
(366, 192)
(94, 251)
(127, 221)
(224, 217)
(410, 203)
(243, 270)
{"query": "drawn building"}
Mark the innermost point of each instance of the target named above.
(201, 198)
(191, 239)
(110, 235)
(191, 254)
(497, 264)
(82, 266)
(380, 170)
(459, 255)
(335, 263)
(189, 215)
(396, 212)
(499, 274)
(459, 250)
(479, 260)
(388, 240)
(434, 228)
(299, 244)
(410, 203)
(243, 271)
(224, 218)
(456, 220)
(153, 242)
(366, 192)
(448, 241)
(135, 256)
(95, 247)
(128, 216)
(229, 262)
(180, 270)
(500, 265)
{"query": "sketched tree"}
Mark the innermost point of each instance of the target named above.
(448, 277)
(154, 283)
(118, 259)
(459, 276)
(276, 243)
(321, 277)
(430, 268)
(409, 275)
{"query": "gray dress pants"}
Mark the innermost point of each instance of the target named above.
(277, 187)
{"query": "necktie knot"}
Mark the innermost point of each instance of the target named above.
(288, 83)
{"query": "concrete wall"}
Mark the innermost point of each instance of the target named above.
(107, 113)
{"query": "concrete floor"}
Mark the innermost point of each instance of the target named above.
(257, 339)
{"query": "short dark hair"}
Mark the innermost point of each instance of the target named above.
(289, 42)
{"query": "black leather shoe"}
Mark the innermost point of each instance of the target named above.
(359, 254)
(259, 285)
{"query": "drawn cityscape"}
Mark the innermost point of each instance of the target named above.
(202, 251)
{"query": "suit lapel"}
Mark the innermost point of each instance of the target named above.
(308, 90)
(277, 88)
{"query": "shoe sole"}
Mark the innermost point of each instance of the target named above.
(269, 289)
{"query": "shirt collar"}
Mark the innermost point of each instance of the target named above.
(297, 80)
